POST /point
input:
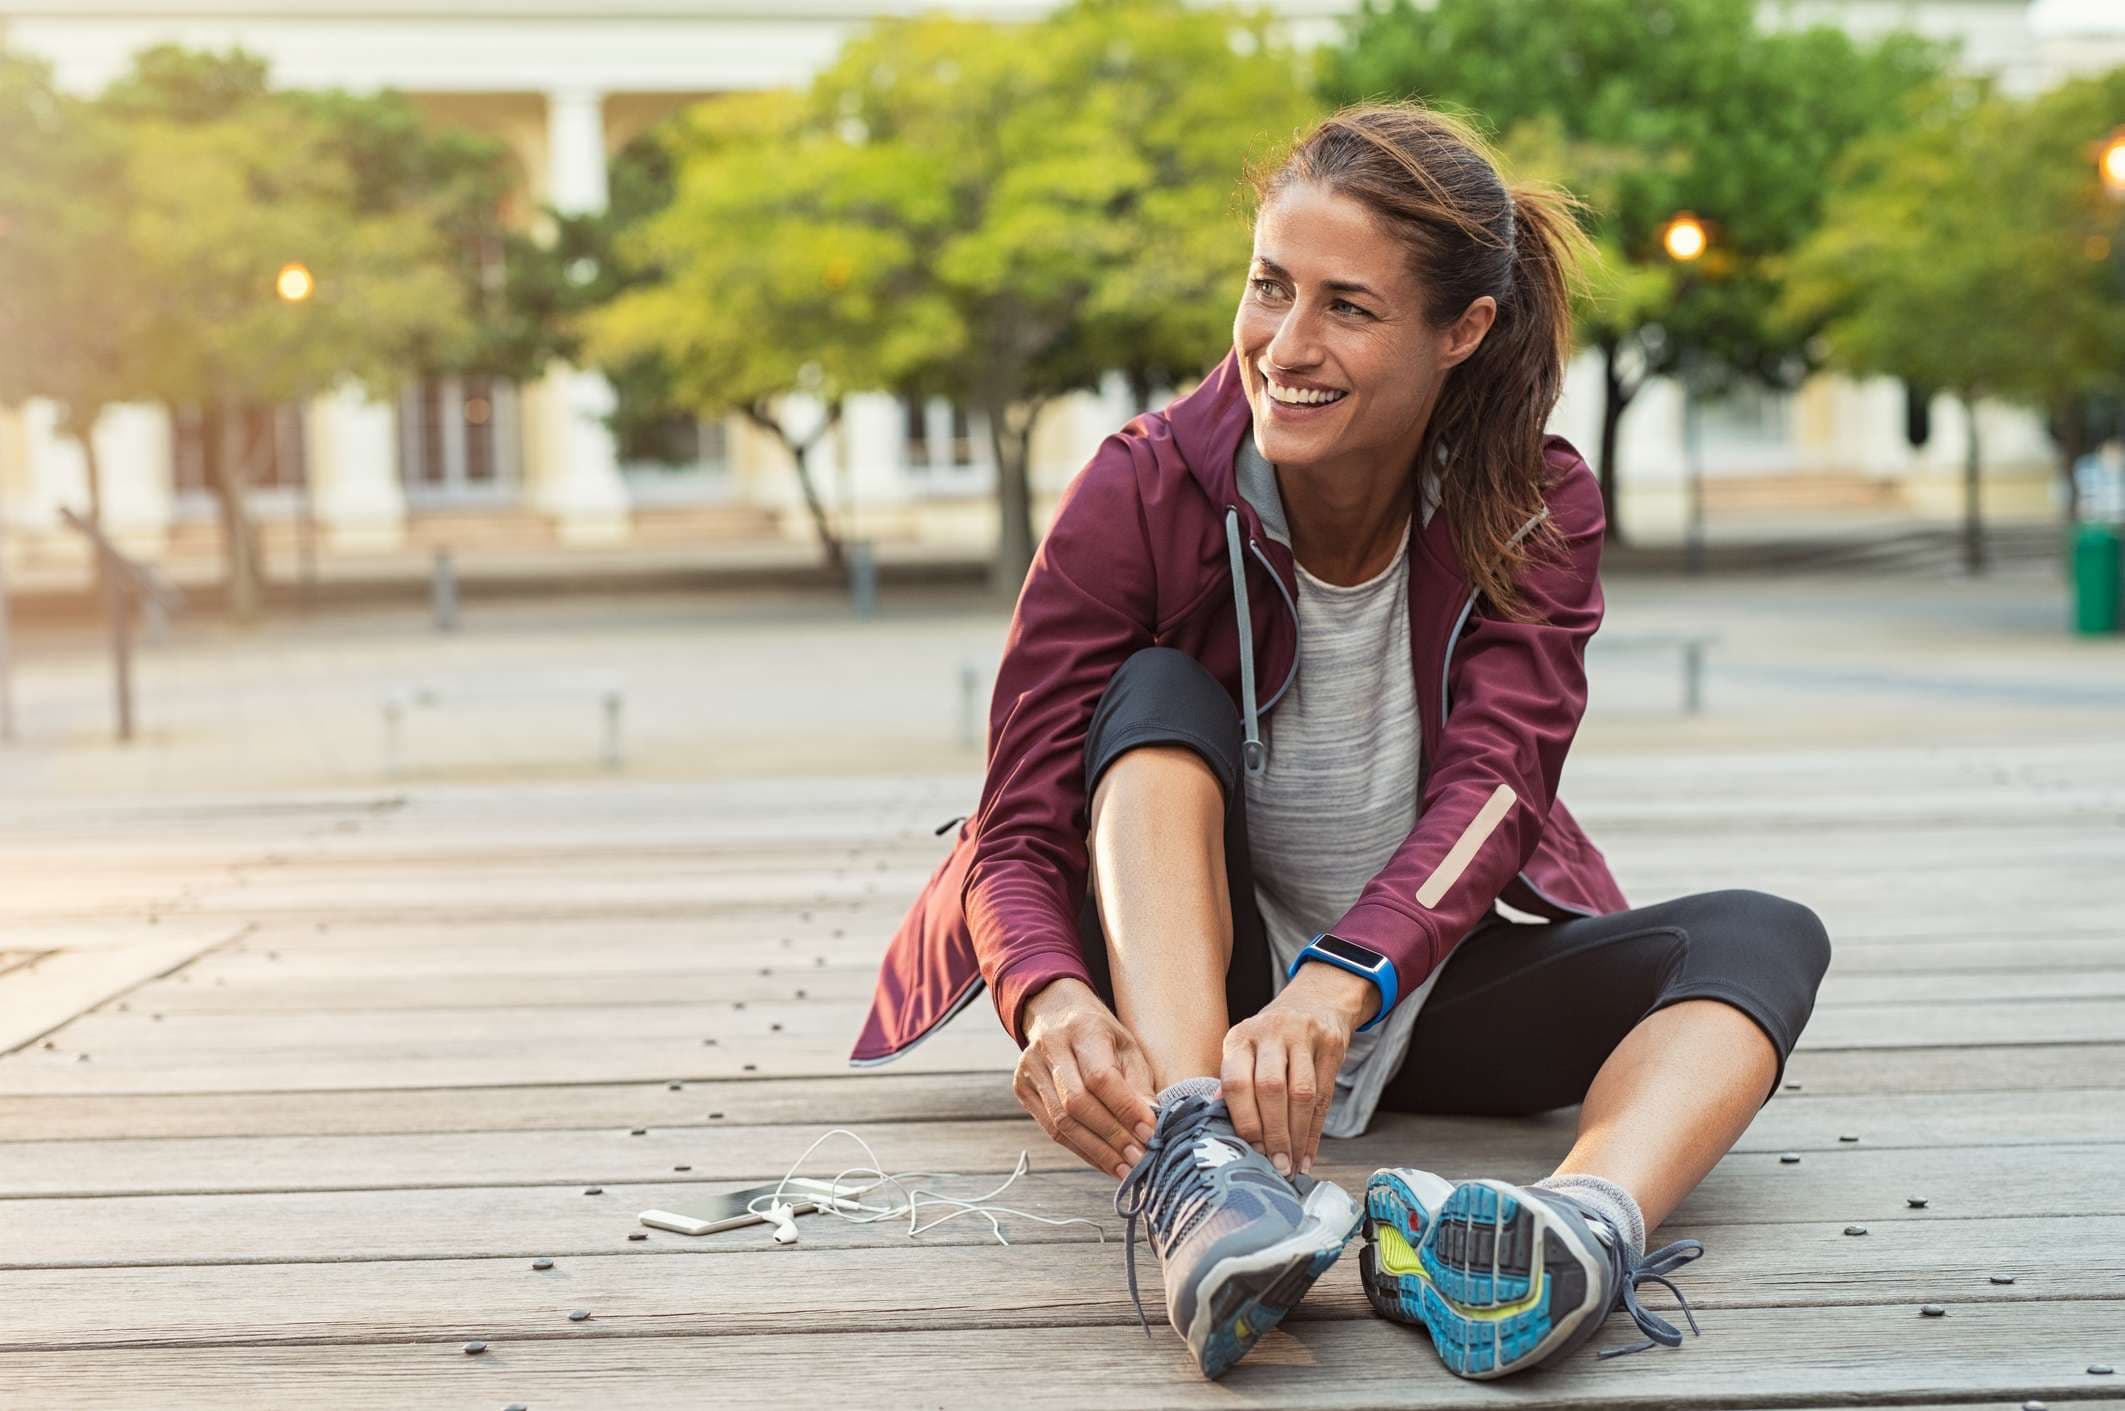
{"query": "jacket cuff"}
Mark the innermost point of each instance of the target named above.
(1023, 974)
(1410, 943)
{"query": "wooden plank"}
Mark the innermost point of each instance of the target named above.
(356, 986)
(43, 994)
(2004, 1350)
(760, 1288)
(728, 1150)
(888, 1094)
(876, 1096)
(765, 1029)
(1960, 1183)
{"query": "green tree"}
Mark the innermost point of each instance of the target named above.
(70, 296)
(228, 182)
(1972, 253)
(1647, 108)
(1000, 214)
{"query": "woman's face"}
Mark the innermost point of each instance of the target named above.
(1330, 304)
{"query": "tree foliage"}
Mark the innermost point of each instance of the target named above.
(996, 213)
(1648, 108)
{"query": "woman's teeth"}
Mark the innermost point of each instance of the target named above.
(1299, 397)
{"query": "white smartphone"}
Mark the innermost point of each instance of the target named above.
(727, 1211)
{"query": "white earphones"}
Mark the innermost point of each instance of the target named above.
(780, 1215)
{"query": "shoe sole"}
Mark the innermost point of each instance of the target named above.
(1247, 1295)
(1397, 1217)
(1492, 1306)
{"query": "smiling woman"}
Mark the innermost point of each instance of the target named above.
(1280, 721)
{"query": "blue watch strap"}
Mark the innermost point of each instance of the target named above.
(1383, 976)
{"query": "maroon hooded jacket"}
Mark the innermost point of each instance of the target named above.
(1146, 549)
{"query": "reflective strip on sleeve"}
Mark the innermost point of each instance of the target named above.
(1464, 850)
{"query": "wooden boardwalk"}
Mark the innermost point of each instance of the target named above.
(295, 1089)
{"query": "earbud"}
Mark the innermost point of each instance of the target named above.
(784, 1221)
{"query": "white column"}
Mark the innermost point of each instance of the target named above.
(577, 479)
(353, 455)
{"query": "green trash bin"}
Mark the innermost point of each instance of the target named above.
(2098, 578)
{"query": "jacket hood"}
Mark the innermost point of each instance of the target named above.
(1208, 425)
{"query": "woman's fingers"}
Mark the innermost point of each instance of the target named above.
(1236, 1085)
(1325, 1067)
(1082, 1122)
(1272, 1087)
(1112, 1111)
(1299, 1081)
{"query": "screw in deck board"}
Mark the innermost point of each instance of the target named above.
(1932, 1310)
(579, 1315)
(1789, 1158)
(1855, 1229)
(1916, 1202)
(472, 1347)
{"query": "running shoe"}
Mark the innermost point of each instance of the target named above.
(1509, 1277)
(1239, 1244)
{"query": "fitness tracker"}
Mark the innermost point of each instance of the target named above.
(1358, 960)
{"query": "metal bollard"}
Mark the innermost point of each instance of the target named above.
(863, 575)
(969, 683)
(443, 592)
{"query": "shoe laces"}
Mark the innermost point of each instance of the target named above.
(1631, 1269)
(1167, 1184)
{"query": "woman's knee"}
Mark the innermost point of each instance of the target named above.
(1163, 696)
(1766, 922)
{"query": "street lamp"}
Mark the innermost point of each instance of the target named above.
(2110, 162)
(294, 282)
(1685, 241)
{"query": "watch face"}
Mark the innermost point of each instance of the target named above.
(1350, 951)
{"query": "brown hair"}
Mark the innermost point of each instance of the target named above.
(1432, 181)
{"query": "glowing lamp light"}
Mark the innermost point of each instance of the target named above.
(1684, 238)
(2111, 162)
(294, 283)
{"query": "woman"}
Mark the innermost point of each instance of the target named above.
(1280, 717)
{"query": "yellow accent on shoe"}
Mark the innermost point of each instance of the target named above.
(1395, 1254)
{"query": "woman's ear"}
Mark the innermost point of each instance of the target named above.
(1466, 333)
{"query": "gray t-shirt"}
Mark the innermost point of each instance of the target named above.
(1339, 792)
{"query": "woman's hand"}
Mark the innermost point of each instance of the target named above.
(1084, 1078)
(1281, 1064)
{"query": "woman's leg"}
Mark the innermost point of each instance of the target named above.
(1158, 868)
(1172, 938)
(1670, 1023)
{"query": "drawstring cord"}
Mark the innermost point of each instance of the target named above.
(1251, 745)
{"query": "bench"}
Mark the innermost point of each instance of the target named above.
(1692, 645)
(607, 691)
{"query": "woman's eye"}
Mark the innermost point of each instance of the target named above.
(1264, 286)
(1267, 287)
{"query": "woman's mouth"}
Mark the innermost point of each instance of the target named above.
(1296, 403)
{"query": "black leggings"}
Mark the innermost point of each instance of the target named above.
(1562, 993)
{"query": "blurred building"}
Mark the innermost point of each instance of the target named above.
(569, 82)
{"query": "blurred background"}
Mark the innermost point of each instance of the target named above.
(679, 388)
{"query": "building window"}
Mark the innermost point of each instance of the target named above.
(458, 437)
(940, 435)
(263, 444)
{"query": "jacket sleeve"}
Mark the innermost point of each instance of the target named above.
(1088, 602)
(1518, 692)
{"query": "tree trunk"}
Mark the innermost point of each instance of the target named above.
(243, 576)
(800, 457)
(1973, 510)
(1012, 447)
(1616, 398)
(2069, 432)
(83, 432)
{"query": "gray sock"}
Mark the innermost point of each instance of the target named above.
(1605, 1196)
(1187, 1087)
